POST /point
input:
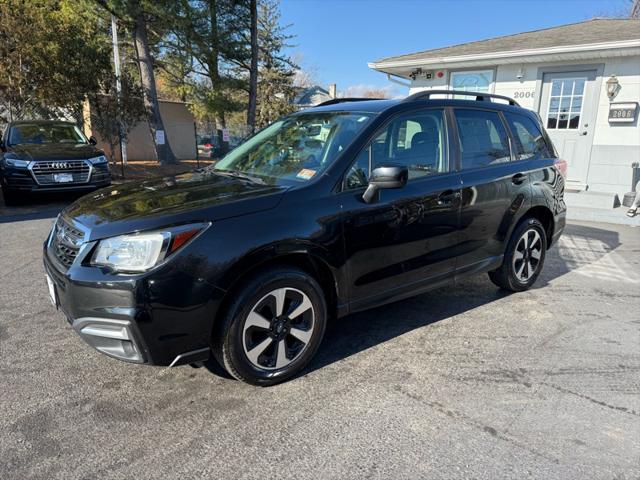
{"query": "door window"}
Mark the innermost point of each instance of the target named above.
(565, 103)
(416, 140)
(529, 142)
(483, 138)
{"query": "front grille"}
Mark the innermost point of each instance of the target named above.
(45, 172)
(66, 242)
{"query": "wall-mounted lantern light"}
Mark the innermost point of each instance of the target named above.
(613, 86)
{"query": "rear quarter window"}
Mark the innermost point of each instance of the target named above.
(528, 137)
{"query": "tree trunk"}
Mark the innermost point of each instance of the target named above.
(164, 154)
(253, 74)
(214, 70)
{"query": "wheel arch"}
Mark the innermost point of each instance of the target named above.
(298, 256)
(544, 215)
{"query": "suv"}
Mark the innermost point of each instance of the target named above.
(248, 259)
(49, 156)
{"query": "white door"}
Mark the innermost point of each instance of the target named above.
(567, 108)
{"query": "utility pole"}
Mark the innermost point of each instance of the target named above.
(116, 63)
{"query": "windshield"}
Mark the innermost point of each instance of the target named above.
(33, 133)
(295, 149)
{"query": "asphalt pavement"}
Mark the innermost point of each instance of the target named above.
(463, 382)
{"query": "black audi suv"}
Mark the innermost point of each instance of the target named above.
(248, 259)
(49, 156)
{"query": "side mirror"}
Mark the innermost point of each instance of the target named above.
(92, 140)
(385, 176)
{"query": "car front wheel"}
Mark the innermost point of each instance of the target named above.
(272, 328)
(523, 258)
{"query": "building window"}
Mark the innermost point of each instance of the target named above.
(565, 103)
(477, 81)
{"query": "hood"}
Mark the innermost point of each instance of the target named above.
(55, 151)
(192, 197)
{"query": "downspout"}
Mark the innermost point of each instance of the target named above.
(397, 82)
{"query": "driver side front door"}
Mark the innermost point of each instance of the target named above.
(404, 241)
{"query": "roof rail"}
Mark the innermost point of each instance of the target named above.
(480, 96)
(333, 101)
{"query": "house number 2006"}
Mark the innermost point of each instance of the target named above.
(524, 94)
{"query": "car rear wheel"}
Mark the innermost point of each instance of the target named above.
(272, 328)
(523, 258)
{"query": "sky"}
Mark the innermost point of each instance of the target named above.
(336, 38)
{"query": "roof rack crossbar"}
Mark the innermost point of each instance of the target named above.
(480, 96)
(333, 101)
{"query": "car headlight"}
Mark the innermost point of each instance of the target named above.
(16, 162)
(98, 160)
(140, 252)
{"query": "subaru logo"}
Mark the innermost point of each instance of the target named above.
(59, 165)
(64, 238)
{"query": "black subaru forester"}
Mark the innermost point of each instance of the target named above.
(248, 259)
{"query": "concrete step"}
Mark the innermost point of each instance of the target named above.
(589, 199)
(609, 215)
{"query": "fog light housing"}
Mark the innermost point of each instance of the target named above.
(111, 337)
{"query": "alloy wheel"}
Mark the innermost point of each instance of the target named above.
(278, 328)
(526, 257)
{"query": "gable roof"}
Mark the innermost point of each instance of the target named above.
(595, 31)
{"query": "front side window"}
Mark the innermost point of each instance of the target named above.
(529, 142)
(483, 138)
(416, 140)
(28, 133)
(295, 149)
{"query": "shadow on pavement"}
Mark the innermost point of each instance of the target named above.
(36, 207)
(580, 245)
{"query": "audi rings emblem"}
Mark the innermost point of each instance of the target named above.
(59, 165)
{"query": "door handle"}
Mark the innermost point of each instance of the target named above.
(448, 197)
(518, 178)
(584, 133)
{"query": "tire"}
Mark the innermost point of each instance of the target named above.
(520, 270)
(258, 346)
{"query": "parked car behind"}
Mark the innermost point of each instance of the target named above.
(248, 259)
(209, 147)
(49, 156)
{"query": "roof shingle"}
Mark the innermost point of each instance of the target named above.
(598, 30)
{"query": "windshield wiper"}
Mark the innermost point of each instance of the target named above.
(238, 174)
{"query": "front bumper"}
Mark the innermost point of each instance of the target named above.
(163, 317)
(22, 180)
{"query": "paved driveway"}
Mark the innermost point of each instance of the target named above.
(462, 382)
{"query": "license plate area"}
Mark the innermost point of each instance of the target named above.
(53, 297)
(62, 177)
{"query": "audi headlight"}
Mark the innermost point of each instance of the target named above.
(140, 252)
(98, 160)
(16, 162)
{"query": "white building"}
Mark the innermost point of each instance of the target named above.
(583, 79)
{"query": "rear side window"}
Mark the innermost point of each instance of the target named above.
(483, 138)
(530, 143)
